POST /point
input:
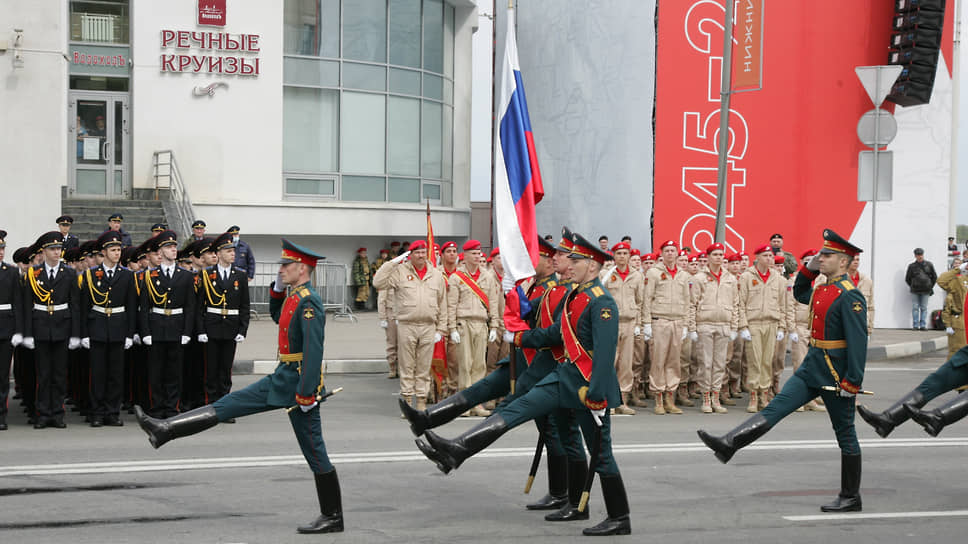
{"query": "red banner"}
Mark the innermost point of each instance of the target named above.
(792, 160)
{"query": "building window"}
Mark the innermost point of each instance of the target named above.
(368, 100)
(99, 21)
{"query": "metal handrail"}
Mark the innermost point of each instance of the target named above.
(164, 167)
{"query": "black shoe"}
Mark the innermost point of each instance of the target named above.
(557, 496)
(40, 423)
(229, 420)
(849, 498)
(330, 519)
(549, 502)
(743, 435)
(885, 422)
(113, 421)
(96, 421)
(577, 470)
(617, 506)
(449, 454)
(161, 431)
(935, 420)
(58, 424)
(3, 423)
(435, 415)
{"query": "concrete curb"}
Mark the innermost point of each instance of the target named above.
(906, 349)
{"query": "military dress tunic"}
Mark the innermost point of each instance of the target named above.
(299, 377)
(837, 355)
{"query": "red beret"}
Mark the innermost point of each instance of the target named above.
(701, 254)
(694, 258)
(362, 249)
(808, 253)
(635, 252)
(394, 243)
(683, 253)
(384, 252)
(778, 258)
(495, 251)
(471, 245)
(648, 256)
(436, 247)
(763, 248)
(735, 258)
(672, 243)
(714, 247)
(448, 244)
(621, 245)
(419, 244)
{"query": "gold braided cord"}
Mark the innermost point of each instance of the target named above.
(94, 292)
(42, 294)
(210, 290)
(156, 298)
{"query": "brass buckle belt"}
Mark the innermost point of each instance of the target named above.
(51, 308)
(108, 311)
(828, 344)
(166, 311)
(290, 357)
(221, 311)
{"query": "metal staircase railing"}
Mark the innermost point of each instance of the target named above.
(178, 208)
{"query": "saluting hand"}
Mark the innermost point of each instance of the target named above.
(399, 258)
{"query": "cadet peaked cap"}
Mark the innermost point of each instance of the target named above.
(545, 249)
(109, 238)
(163, 239)
(3, 238)
(159, 227)
(233, 230)
(65, 220)
(72, 255)
(116, 217)
(565, 244)
(50, 239)
(128, 254)
(293, 253)
(21, 255)
(198, 224)
(583, 249)
(224, 241)
(201, 246)
(835, 243)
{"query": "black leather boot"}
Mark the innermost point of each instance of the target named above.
(935, 420)
(162, 430)
(330, 518)
(434, 416)
(849, 498)
(557, 485)
(617, 506)
(742, 436)
(884, 422)
(577, 471)
(449, 454)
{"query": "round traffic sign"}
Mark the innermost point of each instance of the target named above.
(878, 126)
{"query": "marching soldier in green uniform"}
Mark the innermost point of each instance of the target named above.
(584, 382)
(951, 375)
(838, 347)
(297, 381)
(362, 278)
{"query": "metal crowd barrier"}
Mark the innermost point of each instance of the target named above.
(329, 279)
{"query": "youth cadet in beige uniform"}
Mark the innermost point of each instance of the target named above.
(384, 308)
(761, 322)
(472, 317)
(448, 259)
(866, 287)
(627, 287)
(641, 362)
(498, 349)
(420, 307)
(664, 315)
(736, 351)
(789, 310)
(689, 354)
(715, 317)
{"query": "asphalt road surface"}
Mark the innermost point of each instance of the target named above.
(248, 482)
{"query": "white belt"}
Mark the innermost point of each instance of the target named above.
(52, 308)
(221, 311)
(166, 311)
(6, 306)
(108, 311)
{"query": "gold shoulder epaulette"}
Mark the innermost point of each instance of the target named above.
(303, 292)
(847, 285)
(552, 284)
(597, 291)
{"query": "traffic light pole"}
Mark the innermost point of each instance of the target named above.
(724, 98)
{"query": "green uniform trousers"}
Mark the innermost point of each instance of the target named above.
(951, 375)
(796, 393)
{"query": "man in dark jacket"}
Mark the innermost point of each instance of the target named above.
(920, 277)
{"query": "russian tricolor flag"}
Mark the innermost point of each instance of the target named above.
(517, 186)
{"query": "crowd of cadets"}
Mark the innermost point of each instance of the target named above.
(696, 329)
(103, 326)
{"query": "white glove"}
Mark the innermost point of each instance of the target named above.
(963, 267)
(455, 337)
(647, 331)
(203, 338)
(745, 335)
(146, 340)
(507, 283)
(794, 337)
(384, 324)
(492, 335)
(136, 339)
(949, 331)
(308, 407)
(73, 342)
(508, 337)
(598, 415)
(637, 332)
(437, 337)
(28, 342)
(845, 394)
(780, 336)
(813, 264)
(128, 342)
(239, 338)
(86, 342)
(279, 286)
(185, 340)
(732, 335)
(694, 336)
(685, 333)
(17, 339)
(399, 258)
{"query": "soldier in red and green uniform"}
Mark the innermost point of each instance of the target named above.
(298, 380)
(837, 356)
(584, 382)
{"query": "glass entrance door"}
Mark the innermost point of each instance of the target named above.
(99, 133)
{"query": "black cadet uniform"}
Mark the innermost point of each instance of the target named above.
(11, 325)
(223, 320)
(24, 376)
(165, 320)
(70, 241)
(51, 327)
(109, 307)
(193, 366)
